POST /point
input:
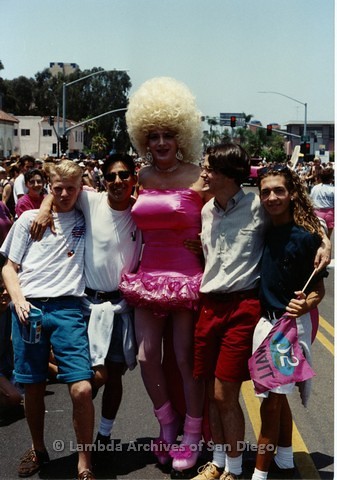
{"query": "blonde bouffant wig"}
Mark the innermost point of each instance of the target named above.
(164, 102)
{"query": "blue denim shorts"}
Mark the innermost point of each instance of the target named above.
(65, 330)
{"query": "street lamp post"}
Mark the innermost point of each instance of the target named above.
(64, 98)
(58, 120)
(298, 101)
(65, 85)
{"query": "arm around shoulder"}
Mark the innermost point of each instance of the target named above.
(43, 219)
(323, 255)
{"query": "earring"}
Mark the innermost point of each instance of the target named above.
(148, 156)
(179, 156)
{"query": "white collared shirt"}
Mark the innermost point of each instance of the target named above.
(233, 241)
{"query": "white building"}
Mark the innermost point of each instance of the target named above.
(64, 68)
(8, 124)
(35, 136)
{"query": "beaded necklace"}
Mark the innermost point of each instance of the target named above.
(167, 170)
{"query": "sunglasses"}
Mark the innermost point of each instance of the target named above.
(122, 174)
(278, 167)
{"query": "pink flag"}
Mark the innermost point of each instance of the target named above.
(279, 359)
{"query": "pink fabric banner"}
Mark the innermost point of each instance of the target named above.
(279, 359)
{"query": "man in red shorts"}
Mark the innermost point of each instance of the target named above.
(233, 230)
(232, 239)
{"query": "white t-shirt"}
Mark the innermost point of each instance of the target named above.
(19, 187)
(113, 242)
(323, 195)
(52, 267)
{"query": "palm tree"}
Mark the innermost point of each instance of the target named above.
(99, 144)
(212, 122)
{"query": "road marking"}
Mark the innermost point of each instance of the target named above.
(325, 342)
(304, 462)
(303, 459)
(326, 325)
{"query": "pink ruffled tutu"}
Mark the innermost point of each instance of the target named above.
(162, 291)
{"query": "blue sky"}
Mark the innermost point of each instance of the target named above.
(224, 50)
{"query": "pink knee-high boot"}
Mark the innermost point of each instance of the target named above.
(169, 427)
(186, 457)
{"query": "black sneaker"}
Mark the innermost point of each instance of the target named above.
(101, 448)
(102, 439)
(276, 472)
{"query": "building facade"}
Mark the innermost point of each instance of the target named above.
(320, 135)
(35, 136)
(60, 67)
(8, 124)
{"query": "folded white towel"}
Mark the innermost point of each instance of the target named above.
(100, 329)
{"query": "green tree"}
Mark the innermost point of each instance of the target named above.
(85, 99)
(96, 95)
(213, 135)
(99, 145)
(226, 136)
(254, 142)
(248, 118)
(19, 98)
(2, 88)
(274, 151)
(47, 93)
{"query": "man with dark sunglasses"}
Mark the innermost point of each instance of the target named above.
(112, 247)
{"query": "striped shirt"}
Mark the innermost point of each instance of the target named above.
(52, 267)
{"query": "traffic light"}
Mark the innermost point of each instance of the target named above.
(269, 129)
(64, 143)
(233, 121)
(51, 120)
(305, 148)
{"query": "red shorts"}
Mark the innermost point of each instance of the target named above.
(224, 335)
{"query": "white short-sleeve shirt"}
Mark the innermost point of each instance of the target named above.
(113, 242)
(52, 267)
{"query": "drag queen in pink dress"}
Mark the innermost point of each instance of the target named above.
(164, 127)
(169, 275)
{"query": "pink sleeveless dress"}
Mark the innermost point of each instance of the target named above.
(169, 274)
